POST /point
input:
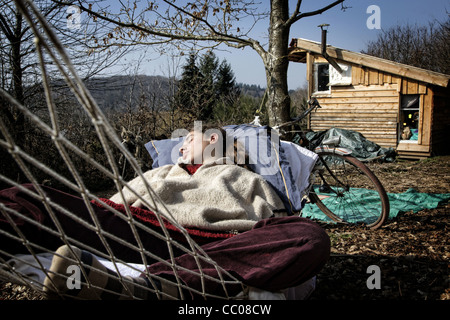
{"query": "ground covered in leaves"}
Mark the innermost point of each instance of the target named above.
(411, 251)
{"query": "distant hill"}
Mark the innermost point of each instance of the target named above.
(120, 92)
(252, 90)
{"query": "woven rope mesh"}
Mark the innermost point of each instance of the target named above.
(104, 161)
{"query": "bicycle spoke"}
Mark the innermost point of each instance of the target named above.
(349, 192)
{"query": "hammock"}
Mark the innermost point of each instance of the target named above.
(33, 269)
(48, 46)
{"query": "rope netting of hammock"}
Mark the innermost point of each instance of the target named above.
(82, 262)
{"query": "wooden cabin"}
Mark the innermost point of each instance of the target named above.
(391, 104)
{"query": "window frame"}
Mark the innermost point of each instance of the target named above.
(333, 79)
(316, 79)
(403, 110)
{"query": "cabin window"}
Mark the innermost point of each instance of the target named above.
(322, 77)
(326, 76)
(409, 117)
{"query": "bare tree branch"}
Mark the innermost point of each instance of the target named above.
(214, 22)
(299, 15)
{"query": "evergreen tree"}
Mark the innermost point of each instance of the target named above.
(208, 91)
(208, 67)
(188, 97)
(226, 84)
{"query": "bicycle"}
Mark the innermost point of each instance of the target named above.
(342, 186)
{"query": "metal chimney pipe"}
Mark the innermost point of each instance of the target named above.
(324, 48)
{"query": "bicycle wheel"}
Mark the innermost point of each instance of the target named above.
(346, 190)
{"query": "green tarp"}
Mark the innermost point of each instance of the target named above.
(411, 200)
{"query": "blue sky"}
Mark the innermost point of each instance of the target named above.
(348, 30)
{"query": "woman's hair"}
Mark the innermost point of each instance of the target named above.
(235, 151)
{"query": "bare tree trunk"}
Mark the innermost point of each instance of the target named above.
(18, 118)
(278, 100)
(16, 58)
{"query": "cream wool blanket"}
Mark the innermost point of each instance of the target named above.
(216, 197)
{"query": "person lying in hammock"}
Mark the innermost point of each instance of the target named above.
(232, 212)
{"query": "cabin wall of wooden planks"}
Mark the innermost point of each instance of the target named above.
(440, 115)
(371, 106)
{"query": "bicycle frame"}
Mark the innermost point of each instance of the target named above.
(330, 147)
(324, 182)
